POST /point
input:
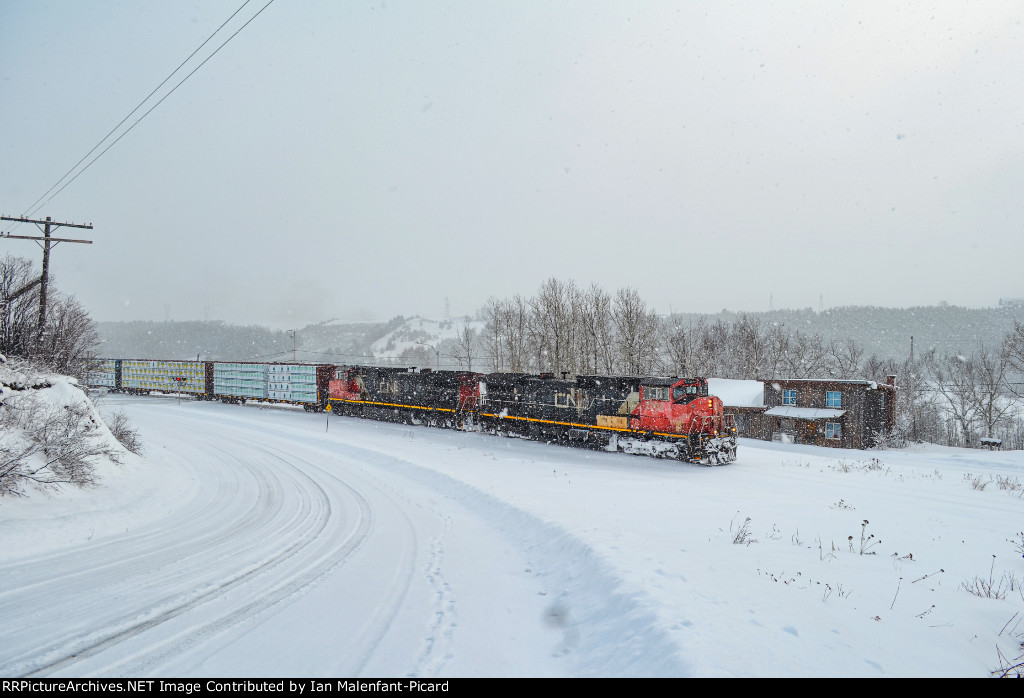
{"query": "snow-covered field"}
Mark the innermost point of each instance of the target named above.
(270, 542)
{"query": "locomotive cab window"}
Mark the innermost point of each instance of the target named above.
(685, 393)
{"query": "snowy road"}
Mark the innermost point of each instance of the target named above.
(271, 542)
(274, 550)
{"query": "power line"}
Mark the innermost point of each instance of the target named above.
(38, 205)
(139, 106)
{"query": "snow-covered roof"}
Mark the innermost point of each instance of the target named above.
(737, 393)
(872, 385)
(804, 412)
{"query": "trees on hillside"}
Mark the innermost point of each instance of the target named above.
(19, 302)
(567, 329)
(69, 337)
(975, 390)
(1014, 345)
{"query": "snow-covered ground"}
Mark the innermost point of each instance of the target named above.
(270, 542)
(425, 334)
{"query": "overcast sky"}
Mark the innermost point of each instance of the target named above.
(359, 160)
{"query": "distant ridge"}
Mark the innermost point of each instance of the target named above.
(884, 332)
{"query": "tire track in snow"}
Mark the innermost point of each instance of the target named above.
(377, 623)
(606, 630)
(326, 559)
(73, 650)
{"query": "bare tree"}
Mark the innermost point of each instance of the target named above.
(1014, 345)
(845, 359)
(953, 378)
(495, 316)
(750, 348)
(777, 340)
(466, 347)
(551, 325)
(711, 349)
(19, 299)
(678, 347)
(878, 369)
(507, 334)
(599, 325)
(974, 389)
(636, 326)
(518, 334)
(807, 356)
(69, 339)
(991, 394)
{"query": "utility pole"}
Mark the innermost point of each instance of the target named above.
(47, 243)
(437, 353)
(913, 388)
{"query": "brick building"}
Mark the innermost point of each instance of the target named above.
(825, 412)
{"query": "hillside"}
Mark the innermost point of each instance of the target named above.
(416, 341)
(885, 332)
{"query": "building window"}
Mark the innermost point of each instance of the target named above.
(833, 398)
(833, 430)
(788, 397)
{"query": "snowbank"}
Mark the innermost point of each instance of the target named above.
(47, 420)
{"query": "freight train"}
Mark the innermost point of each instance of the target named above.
(657, 416)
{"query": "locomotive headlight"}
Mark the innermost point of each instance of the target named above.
(710, 402)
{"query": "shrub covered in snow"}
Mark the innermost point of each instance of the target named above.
(122, 429)
(50, 433)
